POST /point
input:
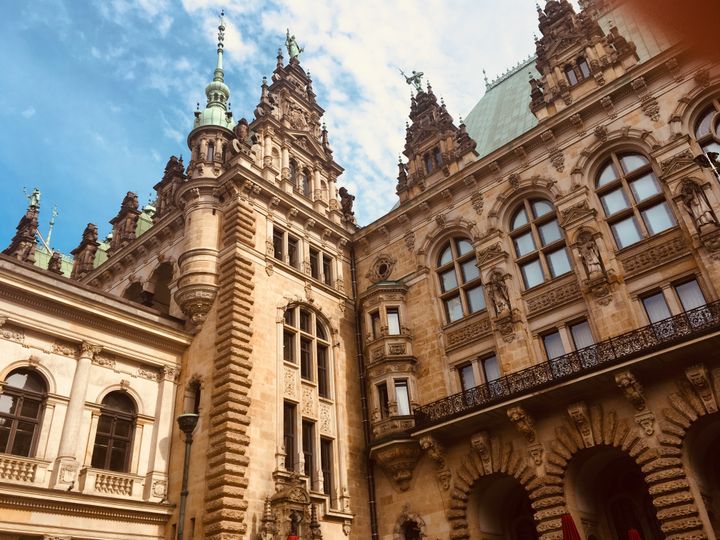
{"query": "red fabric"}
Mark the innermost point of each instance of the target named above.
(633, 534)
(292, 537)
(569, 530)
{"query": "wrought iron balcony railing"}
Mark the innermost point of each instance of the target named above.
(647, 339)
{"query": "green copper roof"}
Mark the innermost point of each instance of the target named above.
(42, 258)
(503, 113)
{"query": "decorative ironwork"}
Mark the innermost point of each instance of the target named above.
(690, 324)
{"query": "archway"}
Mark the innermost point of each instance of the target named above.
(701, 449)
(499, 508)
(606, 493)
(160, 280)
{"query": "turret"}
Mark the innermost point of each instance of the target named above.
(22, 247)
(208, 143)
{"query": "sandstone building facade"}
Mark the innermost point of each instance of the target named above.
(523, 343)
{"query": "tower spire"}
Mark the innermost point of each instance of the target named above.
(219, 74)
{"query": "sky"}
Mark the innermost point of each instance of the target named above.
(95, 96)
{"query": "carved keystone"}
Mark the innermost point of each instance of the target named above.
(581, 418)
(700, 380)
(523, 422)
(632, 389)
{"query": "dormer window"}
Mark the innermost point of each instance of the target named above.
(571, 75)
(583, 67)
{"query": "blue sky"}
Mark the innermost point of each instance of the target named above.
(96, 95)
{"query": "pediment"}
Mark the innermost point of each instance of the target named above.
(564, 41)
(307, 143)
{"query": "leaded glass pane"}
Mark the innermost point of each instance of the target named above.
(626, 232)
(448, 280)
(445, 256)
(541, 208)
(614, 201)
(470, 270)
(532, 274)
(607, 174)
(520, 219)
(550, 232)
(524, 244)
(558, 262)
(476, 299)
(463, 247)
(703, 126)
(453, 307)
(644, 187)
(632, 162)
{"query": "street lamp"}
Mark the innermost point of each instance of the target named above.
(709, 160)
(187, 423)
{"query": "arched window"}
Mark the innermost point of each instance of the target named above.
(460, 288)
(293, 172)
(306, 338)
(539, 242)
(707, 128)
(583, 67)
(429, 164)
(570, 75)
(211, 152)
(632, 198)
(115, 430)
(160, 279)
(22, 403)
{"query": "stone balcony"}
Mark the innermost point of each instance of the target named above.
(111, 484)
(23, 470)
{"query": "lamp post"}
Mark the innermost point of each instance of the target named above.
(709, 160)
(187, 423)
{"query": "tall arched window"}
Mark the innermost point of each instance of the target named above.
(22, 403)
(632, 198)
(707, 128)
(539, 242)
(571, 75)
(115, 430)
(306, 338)
(460, 288)
(292, 168)
(583, 67)
(306, 184)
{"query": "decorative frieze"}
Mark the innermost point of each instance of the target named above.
(552, 298)
(577, 213)
(457, 337)
(650, 257)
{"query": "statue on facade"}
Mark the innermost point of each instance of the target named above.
(33, 198)
(346, 203)
(295, 519)
(292, 46)
(499, 294)
(242, 130)
(55, 263)
(414, 80)
(696, 205)
(590, 254)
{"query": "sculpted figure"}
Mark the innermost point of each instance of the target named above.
(346, 202)
(34, 198)
(590, 255)
(414, 80)
(696, 204)
(293, 48)
(242, 130)
(499, 294)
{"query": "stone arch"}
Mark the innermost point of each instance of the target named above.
(158, 286)
(489, 456)
(29, 363)
(688, 107)
(591, 157)
(134, 395)
(405, 517)
(533, 187)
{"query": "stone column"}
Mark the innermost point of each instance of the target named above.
(66, 464)
(156, 479)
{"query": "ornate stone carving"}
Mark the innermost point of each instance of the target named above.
(125, 223)
(648, 103)
(552, 298)
(170, 373)
(491, 253)
(398, 460)
(505, 324)
(409, 239)
(702, 78)
(148, 373)
(677, 162)
(84, 254)
(578, 212)
(22, 246)
(104, 360)
(290, 382)
(309, 406)
(590, 255)
(481, 444)
(437, 453)
(696, 204)
(601, 132)
(325, 419)
(11, 333)
(609, 106)
(498, 292)
(646, 421)
(701, 383)
(523, 422)
(536, 451)
(577, 122)
(468, 333)
(655, 256)
(632, 389)
(381, 268)
(65, 348)
(196, 301)
(477, 202)
(580, 416)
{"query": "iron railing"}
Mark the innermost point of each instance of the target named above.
(647, 339)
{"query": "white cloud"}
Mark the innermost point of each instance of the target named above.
(29, 112)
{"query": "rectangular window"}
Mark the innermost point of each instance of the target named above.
(402, 397)
(626, 232)
(326, 465)
(393, 317)
(322, 367)
(308, 448)
(314, 263)
(278, 245)
(658, 218)
(581, 335)
(305, 321)
(491, 368)
(475, 299)
(292, 252)
(691, 297)
(532, 274)
(553, 345)
(383, 400)
(306, 359)
(467, 377)
(453, 309)
(327, 270)
(656, 307)
(289, 346)
(375, 323)
(289, 435)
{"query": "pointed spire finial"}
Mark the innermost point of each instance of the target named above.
(485, 77)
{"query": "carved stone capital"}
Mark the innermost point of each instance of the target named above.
(523, 422)
(700, 380)
(89, 350)
(436, 451)
(171, 373)
(632, 389)
(398, 460)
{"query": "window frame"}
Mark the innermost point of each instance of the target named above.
(463, 288)
(282, 242)
(115, 417)
(21, 395)
(542, 252)
(636, 208)
(707, 142)
(302, 325)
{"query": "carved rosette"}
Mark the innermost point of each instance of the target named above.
(398, 460)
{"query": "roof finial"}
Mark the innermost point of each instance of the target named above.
(487, 83)
(221, 45)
